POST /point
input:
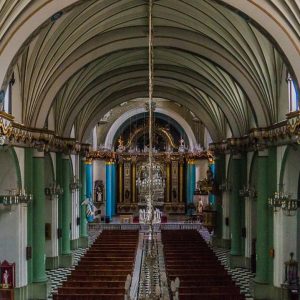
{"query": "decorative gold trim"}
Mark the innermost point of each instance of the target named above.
(133, 180)
(181, 183)
(283, 133)
(41, 139)
(168, 183)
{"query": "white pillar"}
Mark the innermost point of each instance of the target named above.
(285, 242)
(226, 229)
(250, 220)
(73, 226)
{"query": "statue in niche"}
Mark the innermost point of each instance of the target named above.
(99, 191)
(7, 275)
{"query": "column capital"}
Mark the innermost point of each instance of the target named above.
(38, 154)
(237, 156)
(263, 153)
(65, 156)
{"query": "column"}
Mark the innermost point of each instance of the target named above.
(66, 206)
(109, 195)
(120, 168)
(212, 197)
(187, 179)
(219, 178)
(133, 179)
(191, 177)
(193, 180)
(83, 222)
(168, 181)
(59, 181)
(181, 181)
(113, 191)
(89, 178)
(262, 218)
(29, 187)
(235, 206)
(38, 221)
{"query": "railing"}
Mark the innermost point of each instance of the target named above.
(101, 226)
(181, 226)
(135, 288)
(143, 227)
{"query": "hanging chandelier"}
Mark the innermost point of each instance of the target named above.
(144, 180)
(150, 182)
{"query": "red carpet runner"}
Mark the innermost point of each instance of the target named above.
(102, 271)
(188, 257)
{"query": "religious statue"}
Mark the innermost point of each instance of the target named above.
(121, 146)
(157, 216)
(5, 279)
(99, 190)
(142, 216)
(181, 147)
(7, 275)
(90, 209)
(200, 206)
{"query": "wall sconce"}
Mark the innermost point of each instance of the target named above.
(54, 190)
(225, 186)
(248, 192)
(75, 184)
(16, 197)
(285, 202)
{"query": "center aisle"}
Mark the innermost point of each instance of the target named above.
(102, 271)
(188, 257)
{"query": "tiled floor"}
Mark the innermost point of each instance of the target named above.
(242, 277)
(59, 275)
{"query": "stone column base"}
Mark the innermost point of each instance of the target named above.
(52, 263)
(21, 293)
(221, 243)
(66, 261)
(39, 290)
(83, 242)
(263, 291)
(239, 261)
(74, 244)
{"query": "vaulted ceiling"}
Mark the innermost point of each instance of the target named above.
(216, 58)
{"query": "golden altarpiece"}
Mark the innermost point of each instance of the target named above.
(173, 166)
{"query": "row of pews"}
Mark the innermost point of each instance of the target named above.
(102, 271)
(201, 275)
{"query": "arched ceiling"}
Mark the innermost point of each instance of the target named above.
(207, 58)
(115, 119)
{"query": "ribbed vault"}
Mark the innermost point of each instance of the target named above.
(208, 58)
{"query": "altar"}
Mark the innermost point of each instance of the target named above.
(130, 172)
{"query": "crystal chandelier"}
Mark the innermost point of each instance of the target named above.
(144, 180)
(150, 182)
(151, 185)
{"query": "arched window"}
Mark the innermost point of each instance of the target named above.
(293, 94)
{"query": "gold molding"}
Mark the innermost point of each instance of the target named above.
(41, 139)
(282, 133)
